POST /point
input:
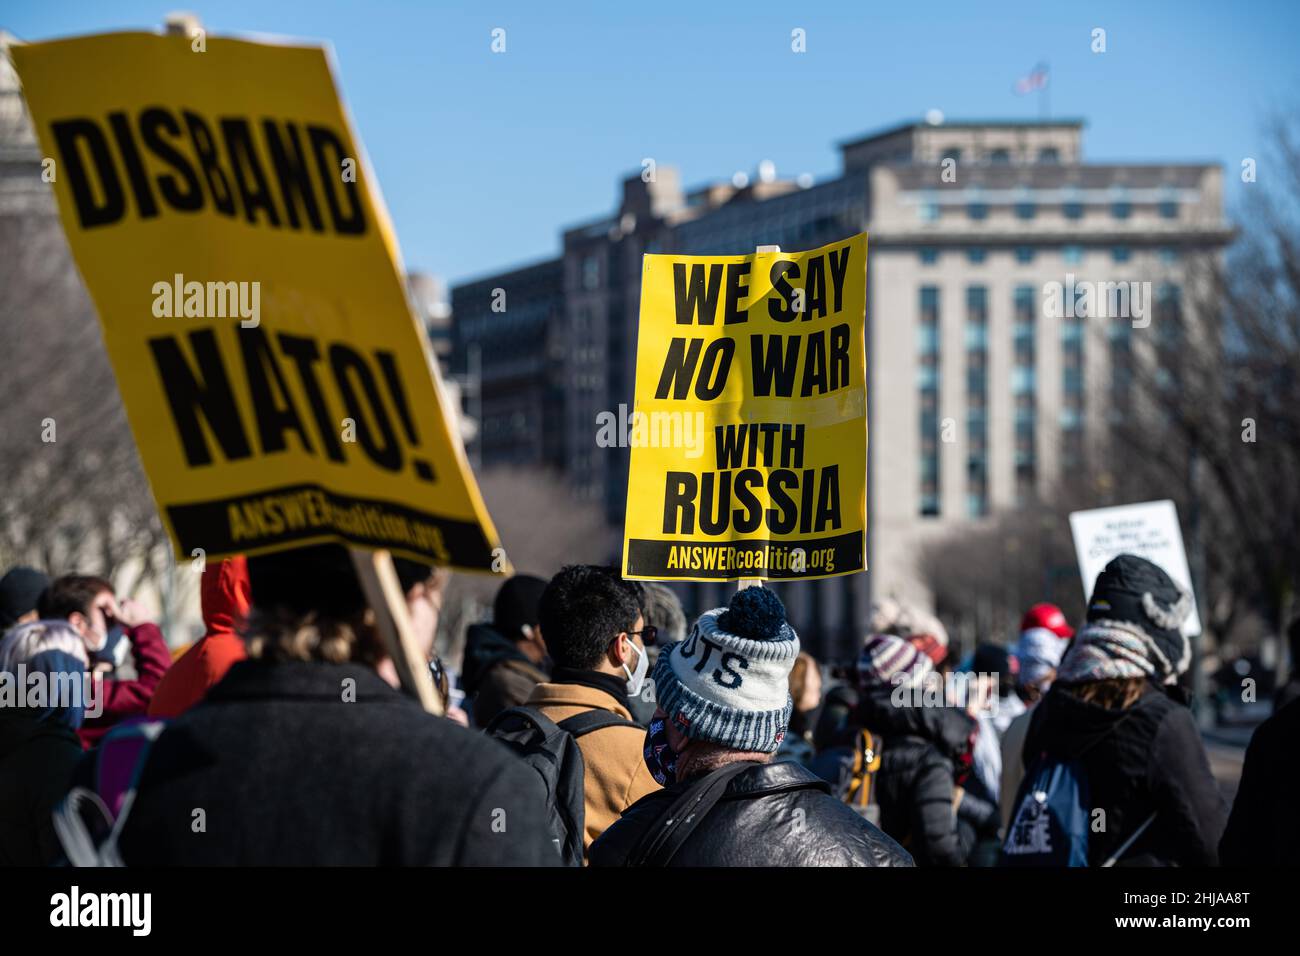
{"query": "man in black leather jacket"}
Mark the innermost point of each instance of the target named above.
(723, 709)
(773, 814)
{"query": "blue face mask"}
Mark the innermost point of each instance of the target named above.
(660, 758)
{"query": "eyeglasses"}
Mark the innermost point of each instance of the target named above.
(439, 675)
(649, 634)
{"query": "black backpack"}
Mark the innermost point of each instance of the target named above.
(552, 750)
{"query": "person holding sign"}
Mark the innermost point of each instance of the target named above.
(724, 708)
(307, 754)
(250, 292)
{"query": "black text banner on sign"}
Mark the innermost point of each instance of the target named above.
(251, 296)
(749, 433)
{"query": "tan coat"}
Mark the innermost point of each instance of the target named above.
(616, 774)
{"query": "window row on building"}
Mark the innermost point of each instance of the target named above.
(1071, 254)
(977, 206)
(1072, 417)
(1047, 155)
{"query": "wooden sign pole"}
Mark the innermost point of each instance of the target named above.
(755, 582)
(384, 594)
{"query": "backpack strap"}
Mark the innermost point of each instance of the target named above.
(580, 725)
(529, 715)
(1114, 857)
(866, 761)
(661, 841)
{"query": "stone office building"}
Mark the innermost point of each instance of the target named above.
(968, 223)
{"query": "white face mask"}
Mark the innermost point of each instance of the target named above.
(635, 679)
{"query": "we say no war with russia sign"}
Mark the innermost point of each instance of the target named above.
(251, 297)
(749, 432)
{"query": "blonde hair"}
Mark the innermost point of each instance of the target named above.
(804, 665)
(1113, 693)
(284, 636)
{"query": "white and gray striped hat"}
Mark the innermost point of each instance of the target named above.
(728, 682)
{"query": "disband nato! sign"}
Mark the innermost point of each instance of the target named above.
(251, 297)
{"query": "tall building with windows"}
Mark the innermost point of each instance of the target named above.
(980, 396)
(508, 353)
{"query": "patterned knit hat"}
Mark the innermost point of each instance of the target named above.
(893, 661)
(728, 682)
(1134, 626)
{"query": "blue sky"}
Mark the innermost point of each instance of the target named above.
(483, 157)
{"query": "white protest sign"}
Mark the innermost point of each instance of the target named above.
(1149, 530)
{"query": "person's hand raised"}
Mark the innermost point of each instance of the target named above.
(129, 613)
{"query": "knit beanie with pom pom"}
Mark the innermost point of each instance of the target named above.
(728, 682)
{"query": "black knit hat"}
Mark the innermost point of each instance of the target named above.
(19, 591)
(316, 578)
(517, 605)
(1134, 591)
(995, 659)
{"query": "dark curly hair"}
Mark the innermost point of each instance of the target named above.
(583, 609)
(71, 593)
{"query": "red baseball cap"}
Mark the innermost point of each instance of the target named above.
(1049, 617)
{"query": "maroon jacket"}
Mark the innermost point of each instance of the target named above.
(129, 698)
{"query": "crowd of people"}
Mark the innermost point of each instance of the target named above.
(600, 726)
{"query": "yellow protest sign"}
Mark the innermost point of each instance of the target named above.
(749, 432)
(252, 301)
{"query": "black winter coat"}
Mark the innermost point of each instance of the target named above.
(1287, 693)
(37, 762)
(1264, 828)
(916, 782)
(757, 823)
(288, 773)
(1147, 758)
